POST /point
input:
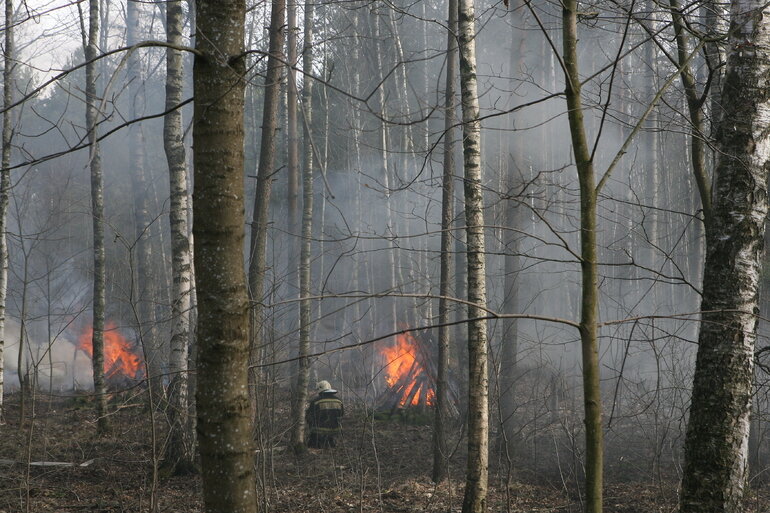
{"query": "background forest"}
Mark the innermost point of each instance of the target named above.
(356, 248)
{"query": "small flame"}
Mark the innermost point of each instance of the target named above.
(405, 371)
(120, 358)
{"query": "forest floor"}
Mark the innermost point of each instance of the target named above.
(379, 465)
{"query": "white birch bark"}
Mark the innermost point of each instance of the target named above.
(477, 471)
(97, 215)
(180, 450)
(5, 181)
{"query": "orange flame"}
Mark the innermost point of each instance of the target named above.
(120, 358)
(404, 371)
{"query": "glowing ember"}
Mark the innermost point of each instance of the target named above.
(405, 374)
(120, 358)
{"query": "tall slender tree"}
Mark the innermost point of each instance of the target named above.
(145, 290)
(476, 477)
(180, 454)
(589, 303)
(5, 179)
(292, 149)
(717, 19)
(695, 109)
(652, 162)
(384, 137)
(440, 452)
(97, 216)
(223, 406)
(303, 363)
(509, 343)
(257, 256)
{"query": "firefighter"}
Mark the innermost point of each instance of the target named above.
(323, 415)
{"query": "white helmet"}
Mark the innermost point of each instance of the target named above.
(324, 386)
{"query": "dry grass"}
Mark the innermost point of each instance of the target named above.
(378, 465)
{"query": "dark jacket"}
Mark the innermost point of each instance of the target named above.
(324, 414)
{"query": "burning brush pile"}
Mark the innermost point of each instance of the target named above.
(123, 364)
(409, 366)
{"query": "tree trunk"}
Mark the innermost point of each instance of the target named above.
(514, 221)
(589, 314)
(384, 149)
(97, 214)
(5, 181)
(303, 370)
(321, 209)
(358, 273)
(716, 17)
(292, 153)
(440, 449)
(695, 109)
(509, 349)
(460, 348)
(24, 385)
(104, 39)
(145, 280)
(223, 407)
(180, 455)
(257, 257)
(475, 499)
(716, 445)
(652, 167)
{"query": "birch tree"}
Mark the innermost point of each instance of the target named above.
(716, 446)
(5, 180)
(97, 216)
(223, 406)
(476, 477)
(180, 454)
(303, 364)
